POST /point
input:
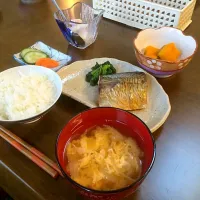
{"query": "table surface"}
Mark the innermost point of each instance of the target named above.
(176, 172)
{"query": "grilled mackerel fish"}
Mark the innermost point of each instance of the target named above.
(127, 91)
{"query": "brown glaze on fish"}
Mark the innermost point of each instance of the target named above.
(127, 91)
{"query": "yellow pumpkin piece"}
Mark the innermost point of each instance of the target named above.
(169, 52)
(151, 52)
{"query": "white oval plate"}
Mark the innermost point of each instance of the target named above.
(75, 86)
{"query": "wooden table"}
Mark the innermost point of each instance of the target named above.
(176, 172)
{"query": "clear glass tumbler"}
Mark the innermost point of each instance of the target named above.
(82, 20)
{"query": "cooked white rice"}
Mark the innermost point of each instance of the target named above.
(26, 97)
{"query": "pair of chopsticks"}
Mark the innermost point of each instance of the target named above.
(33, 154)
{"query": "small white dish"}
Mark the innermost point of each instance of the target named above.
(16, 73)
(54, 54)
(75, 86)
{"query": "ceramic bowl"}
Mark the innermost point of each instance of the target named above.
(158, 38)
(25, 70)
(127, 124)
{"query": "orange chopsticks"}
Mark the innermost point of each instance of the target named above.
(33, 154)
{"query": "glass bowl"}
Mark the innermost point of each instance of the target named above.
(124, 121)
(82, 20)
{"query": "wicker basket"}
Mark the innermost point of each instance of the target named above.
(148, 13)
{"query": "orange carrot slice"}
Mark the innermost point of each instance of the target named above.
(47, 62)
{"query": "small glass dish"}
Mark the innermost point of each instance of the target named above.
(82, 20)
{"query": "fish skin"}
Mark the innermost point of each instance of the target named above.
(127, 90)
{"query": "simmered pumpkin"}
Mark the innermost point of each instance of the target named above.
(151, 52)
(169, 52)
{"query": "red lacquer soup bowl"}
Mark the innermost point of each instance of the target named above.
(128, 124)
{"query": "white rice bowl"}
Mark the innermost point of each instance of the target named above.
(27, 91)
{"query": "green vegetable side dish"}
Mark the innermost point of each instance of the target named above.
(30, 55)
(99, 69)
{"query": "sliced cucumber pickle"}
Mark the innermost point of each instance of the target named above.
(25, 51)
(32, 56)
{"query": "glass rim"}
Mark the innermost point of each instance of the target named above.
(56, 12)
